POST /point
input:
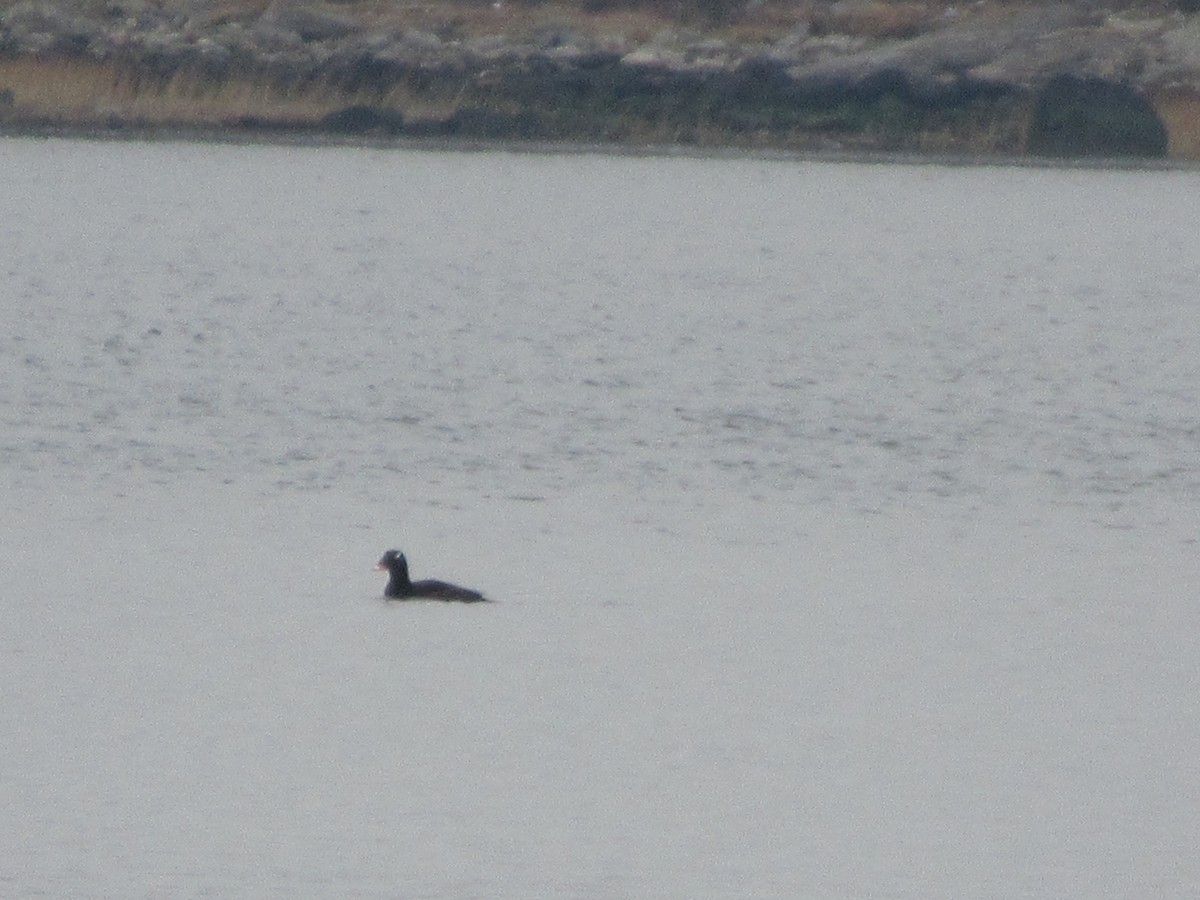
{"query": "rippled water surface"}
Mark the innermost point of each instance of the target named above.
(843, 520)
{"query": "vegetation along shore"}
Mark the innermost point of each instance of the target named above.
(1082, 79)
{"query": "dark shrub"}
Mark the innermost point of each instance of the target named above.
(1085, 116)
(363, 120)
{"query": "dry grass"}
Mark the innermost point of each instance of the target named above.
(84, 92)
(1002, 133)
(1179, 109)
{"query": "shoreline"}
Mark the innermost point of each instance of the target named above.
(309, 139)
(996, 80)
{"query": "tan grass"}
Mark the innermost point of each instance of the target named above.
(85, 92)
(1179, 109)
(76, 91)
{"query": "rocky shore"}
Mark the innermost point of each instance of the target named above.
(1066, 80)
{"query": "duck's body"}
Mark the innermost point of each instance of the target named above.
(400, 587)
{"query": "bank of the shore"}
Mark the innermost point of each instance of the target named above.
(316, 139)
(996, 80)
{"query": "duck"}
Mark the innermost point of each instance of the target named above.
(400, 587)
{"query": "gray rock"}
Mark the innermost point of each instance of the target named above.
(1018, 50)
(1175, 61)
(309, 22)
(29, 17)
(269, 37)
(497, 48)
(547, 38)
(48, 27)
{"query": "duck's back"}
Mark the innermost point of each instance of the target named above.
(441, 590)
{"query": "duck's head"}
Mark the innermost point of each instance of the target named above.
(390, 560)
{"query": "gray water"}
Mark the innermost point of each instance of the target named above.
(842, 520)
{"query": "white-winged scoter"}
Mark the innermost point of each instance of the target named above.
(400, 587)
